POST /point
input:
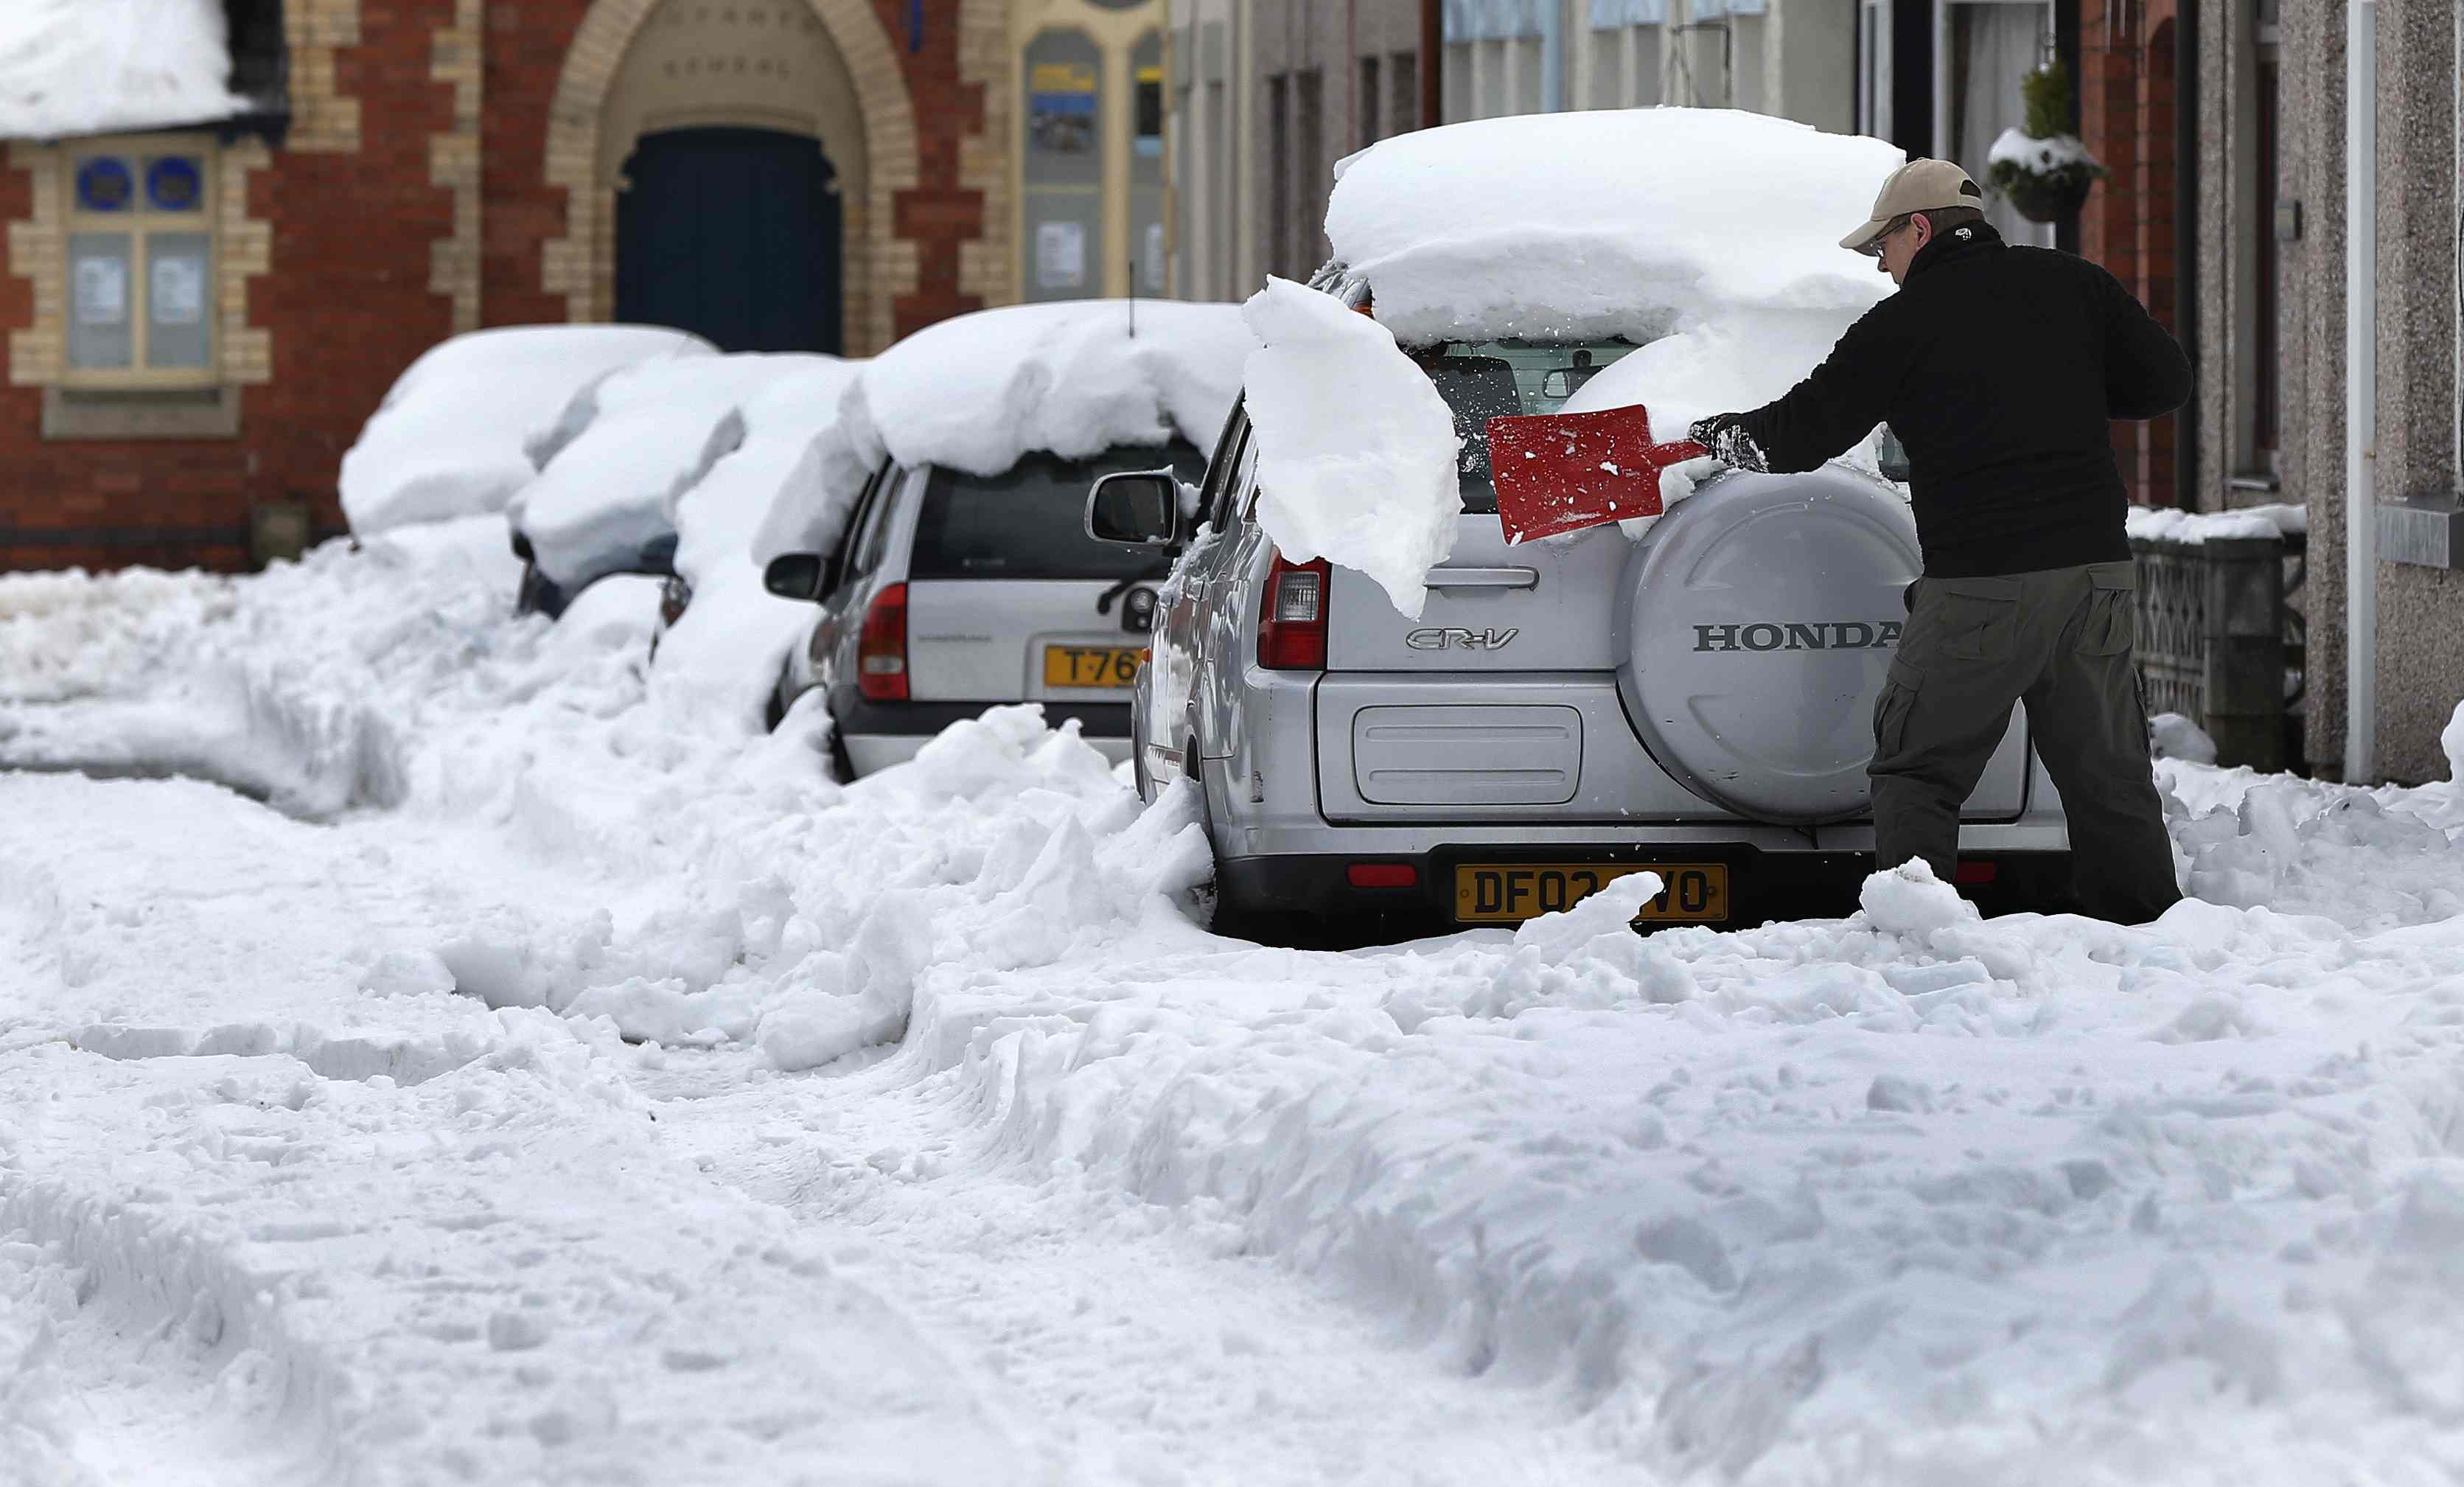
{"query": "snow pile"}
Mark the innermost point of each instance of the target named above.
(73, 634)
(1587, 226)
(1356, 459)
(70, 67)
(729, 645)
(632, 444)
(978, 391)
(1905, 1197)
(452, 436)
(2165, 525)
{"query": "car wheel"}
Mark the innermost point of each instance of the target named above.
(774, 712)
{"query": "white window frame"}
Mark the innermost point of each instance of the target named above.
(1941, 143)
(140, 222)
(1874, 68)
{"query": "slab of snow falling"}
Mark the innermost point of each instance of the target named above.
(70, 67)
(1356, 459)
(949, 1148)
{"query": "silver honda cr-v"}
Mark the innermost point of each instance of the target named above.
(1698, 702)
(953, 592)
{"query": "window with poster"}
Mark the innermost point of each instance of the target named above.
(1982, 49)
(141, 262)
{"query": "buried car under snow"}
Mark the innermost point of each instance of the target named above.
(963, 578)
(1693, 694)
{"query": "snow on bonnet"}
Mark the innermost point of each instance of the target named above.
(647, 432)
(72, 67)
(1357, 449)
(980, 392)
(452, 436)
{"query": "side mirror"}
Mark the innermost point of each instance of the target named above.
(794, 575)
(1136, 508)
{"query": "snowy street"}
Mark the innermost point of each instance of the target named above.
(560, 1080)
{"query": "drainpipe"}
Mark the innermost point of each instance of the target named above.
(1553, 57)
(1433, 65)
(2186, 424)
(2361, 392)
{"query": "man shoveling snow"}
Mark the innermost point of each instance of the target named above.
(1999, 368)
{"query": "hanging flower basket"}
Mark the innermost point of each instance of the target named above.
(2045, 180)
(2042, 172)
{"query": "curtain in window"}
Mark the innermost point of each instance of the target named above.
(1993, 46)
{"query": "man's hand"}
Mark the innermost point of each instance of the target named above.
(1725, 435)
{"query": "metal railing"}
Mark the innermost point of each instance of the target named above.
(2222, 642)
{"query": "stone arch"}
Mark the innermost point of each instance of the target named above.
(879, 266)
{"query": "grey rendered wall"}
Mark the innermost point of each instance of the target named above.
(2421, 610)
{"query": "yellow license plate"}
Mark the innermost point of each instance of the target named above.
(1506, 893)
(1091, 665)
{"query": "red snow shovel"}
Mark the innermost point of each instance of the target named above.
(1563, 472)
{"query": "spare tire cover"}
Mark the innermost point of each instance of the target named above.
(1759, 618)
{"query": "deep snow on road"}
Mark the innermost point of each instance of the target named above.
(554, 1079)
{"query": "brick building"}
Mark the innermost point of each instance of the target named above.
(199, 314)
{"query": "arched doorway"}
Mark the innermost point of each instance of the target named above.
(821, 73)
(736, 234)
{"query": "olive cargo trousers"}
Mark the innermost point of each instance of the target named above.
(2059, 640)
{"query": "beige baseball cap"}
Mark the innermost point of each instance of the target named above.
(1918, 186)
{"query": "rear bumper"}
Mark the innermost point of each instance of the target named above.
(855, 713)
(1763, 885)
(877, 735)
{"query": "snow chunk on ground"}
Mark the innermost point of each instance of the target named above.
(1358, 450)
(451, 437)
(2176, 737)
(2163, 524)
(70, 67)
(1598, 224)
(641, 438)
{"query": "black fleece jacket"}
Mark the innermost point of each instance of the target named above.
(2000, 369)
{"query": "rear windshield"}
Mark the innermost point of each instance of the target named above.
(1029, 521)
(1489, 379)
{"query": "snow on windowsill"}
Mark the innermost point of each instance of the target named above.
(2163, 525)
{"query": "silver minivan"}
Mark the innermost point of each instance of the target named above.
(953, 592)
(1698, 702)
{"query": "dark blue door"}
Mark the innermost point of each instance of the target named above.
(733, 235)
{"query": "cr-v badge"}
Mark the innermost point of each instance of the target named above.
(1439, 638)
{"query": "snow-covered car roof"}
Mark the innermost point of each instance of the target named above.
(70, 67)
(452, 435)
(1598, 224)
(627, 448)
(980, 391)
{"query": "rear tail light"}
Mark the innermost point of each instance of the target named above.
(881, 652)
(1975, 871)
(1292, 625)
(1382, 875)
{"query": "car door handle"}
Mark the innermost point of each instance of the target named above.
(1483, 578)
